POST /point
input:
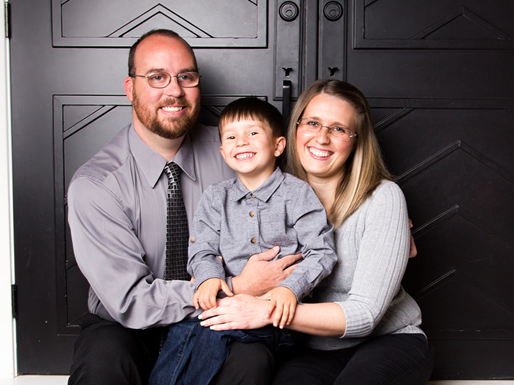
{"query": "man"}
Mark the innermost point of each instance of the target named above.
(117, 217)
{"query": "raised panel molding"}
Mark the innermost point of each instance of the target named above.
(443, 25)
(98, 24)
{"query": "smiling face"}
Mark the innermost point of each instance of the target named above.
(166, 112)
(321, 156)
(250, 148)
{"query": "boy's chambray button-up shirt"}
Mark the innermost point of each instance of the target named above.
(235, 223)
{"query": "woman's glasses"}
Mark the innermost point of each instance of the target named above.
(336, 132)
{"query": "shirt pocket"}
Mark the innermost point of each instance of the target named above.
(277, 231)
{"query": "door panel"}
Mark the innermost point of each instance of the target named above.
(441, 93)
(439, 81)
(118, 23)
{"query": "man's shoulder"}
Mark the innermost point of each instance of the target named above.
(109, 159)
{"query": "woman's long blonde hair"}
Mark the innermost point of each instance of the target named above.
(364, 169)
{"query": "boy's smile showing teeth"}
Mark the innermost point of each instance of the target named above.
(245, 155)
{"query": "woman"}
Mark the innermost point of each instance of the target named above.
(363, 327)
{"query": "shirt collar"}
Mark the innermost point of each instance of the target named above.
(264, 192)
(153, 164)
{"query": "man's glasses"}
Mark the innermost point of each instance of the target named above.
(162, 79)
(337, 132)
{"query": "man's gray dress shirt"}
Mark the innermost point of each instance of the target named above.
(117, 217)
(235, 223)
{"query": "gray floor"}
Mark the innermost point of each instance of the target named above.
(62, 380)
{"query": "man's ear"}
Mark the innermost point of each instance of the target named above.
(280, 145)
(129, 85)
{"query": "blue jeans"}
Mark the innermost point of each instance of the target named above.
(193, 354)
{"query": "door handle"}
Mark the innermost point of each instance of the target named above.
(286, 102)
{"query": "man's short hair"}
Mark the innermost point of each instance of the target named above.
(255, 109)
(160, 32)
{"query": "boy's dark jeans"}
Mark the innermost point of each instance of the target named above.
(193, 354)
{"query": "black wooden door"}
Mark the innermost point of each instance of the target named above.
(440, 80)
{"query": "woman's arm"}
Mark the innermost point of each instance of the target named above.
(319, 319)
(382, 257)
(247, 312)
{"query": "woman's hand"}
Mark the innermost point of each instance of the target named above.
(239, 312)
(413, 249)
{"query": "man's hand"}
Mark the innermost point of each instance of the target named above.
(205, 296)
(282, 304)
(260, 275)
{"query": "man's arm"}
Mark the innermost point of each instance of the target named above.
(111, 258)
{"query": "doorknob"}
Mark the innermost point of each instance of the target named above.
(333, 11)
(288, 11)
(333, 70)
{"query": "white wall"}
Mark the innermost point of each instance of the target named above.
(7, 364)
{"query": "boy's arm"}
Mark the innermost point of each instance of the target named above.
(316, 237)
(204, 241)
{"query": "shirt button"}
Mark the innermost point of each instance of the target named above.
(253, 240)
(251, 213)
(253, 196)
(192, 240)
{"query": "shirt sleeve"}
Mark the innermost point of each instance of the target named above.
(111, 258)
(316, 236)
(204, 244)
(382, 259)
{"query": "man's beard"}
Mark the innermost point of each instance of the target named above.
(169, 128)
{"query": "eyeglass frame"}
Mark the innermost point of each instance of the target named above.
(329, 129)
(170, 77)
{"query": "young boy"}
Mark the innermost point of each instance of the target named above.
(259, 209)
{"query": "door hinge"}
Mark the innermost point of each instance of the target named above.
(14, 299)
(7, 21)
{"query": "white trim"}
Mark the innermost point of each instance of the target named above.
(7, 324)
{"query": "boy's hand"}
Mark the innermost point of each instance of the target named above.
(205, 296)
(283, 300)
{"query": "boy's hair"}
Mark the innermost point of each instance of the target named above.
(255, 109)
